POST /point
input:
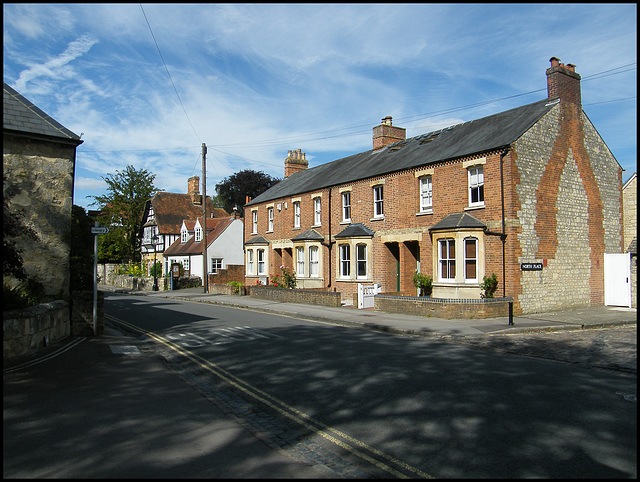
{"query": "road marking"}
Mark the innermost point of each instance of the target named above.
(59, 351)
(226, 335)
(124, 350)
(288, 411)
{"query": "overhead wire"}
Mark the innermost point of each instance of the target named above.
(364, 128)
(169, 74)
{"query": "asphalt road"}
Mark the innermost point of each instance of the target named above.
(373, 404)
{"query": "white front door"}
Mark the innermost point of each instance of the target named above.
(617, 279)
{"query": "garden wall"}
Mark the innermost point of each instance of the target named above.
(314, 297)
(26, 331)
(448, 309)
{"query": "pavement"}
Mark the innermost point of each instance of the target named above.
(108, 406)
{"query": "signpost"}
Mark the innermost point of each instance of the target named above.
(95, 231)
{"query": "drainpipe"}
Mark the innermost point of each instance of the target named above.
(330, 243)
(503, 235)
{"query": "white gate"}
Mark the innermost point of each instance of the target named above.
(617, 279)
(366, 294)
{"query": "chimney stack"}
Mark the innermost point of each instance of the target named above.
(193, 185)
(295, 161)
(563, 82)
(386, 134)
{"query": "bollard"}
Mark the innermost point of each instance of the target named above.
(510, 312)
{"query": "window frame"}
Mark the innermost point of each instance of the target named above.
(270, 219)
(296, 214)
(254, 220)
(467, 260)
(345, 262)
(314, 262)
(426, 185)
(361, 261)
(448, 260)
(317, 211)
(300, 261)
(346, 206)
(261, 253)
(250, 270)
(378, 201)
(216, 265)
(476, 171)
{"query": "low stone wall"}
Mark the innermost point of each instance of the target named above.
(313, 297)
(218, 289)
(447, 309)
(26, 331)
(138, 284)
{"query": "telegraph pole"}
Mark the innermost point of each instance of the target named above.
(204, 218)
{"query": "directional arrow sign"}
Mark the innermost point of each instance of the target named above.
(99, 230)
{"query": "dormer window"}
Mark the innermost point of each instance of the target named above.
(184, 235)
(198, 233)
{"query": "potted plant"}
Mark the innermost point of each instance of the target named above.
(424, 283)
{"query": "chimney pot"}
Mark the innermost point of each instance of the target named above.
(386, 134)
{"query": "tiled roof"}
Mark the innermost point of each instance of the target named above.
(478, 136)
(258, 240)
(21, 116)
(170, 209)
(215, 227)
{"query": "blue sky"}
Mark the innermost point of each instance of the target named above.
(255, 81)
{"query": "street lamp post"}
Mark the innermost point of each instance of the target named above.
(154, 240)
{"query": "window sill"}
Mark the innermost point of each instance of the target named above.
(345, 221)
(424, 213)
(377, 218)
(474, 207)
(317, 226)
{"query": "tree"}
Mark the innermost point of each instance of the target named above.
(122, 209)
(234, 189)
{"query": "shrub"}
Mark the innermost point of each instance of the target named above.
(236, 286)
(489, 286)
(287, 279)
(424, 283)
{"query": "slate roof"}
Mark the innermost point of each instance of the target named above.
(458, 221)
(257, 240)
(355, 230)
(473, 137)
(309, 235)
(23, 117)
(216, 227)
(170, 209)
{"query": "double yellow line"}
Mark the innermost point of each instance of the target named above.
(352, 445)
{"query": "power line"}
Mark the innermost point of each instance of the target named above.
(365, 128)
(167, 69)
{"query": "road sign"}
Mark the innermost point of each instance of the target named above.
(99, 230)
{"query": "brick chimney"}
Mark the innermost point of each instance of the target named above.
(563, 82)
(295, 161)
(193, 185)
(386, 134)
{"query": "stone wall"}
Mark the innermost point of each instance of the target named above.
(313, 297)
(26, 331)
(40, 174)
(568, 198)
(448, 309)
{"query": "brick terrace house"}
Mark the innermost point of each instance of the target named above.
(532, 194)
(163, 216)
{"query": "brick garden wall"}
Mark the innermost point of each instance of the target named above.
(314, 297)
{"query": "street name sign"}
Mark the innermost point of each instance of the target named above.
(99, 230)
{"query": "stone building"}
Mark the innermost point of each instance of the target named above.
(39, 156)
(532, 194)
